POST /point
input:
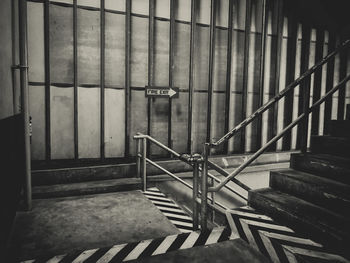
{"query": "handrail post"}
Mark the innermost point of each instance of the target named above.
(195, 194)
(204, 188)
(138, 158)
(144, 164)
(305, 121)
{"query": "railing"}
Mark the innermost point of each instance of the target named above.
(195, 160)
(202, 162)
(301, 118)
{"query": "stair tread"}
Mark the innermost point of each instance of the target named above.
(330, 144)
(321, 182)
(306, 213)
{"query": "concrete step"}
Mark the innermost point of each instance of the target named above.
(86, 188)
(62, 173)
(325, 165)
(339, 146)
(339, 128)
(318, 223)
(320, 191)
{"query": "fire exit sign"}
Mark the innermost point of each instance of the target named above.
(162, 92)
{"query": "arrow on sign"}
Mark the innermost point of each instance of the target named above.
(163, 92)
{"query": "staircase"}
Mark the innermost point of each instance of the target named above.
(313, 196)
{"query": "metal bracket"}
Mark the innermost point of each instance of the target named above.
(191, 158)
(19, 66)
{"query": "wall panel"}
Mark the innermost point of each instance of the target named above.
(62, 122)
(37, 112)
(114, 123)
(61, 44)
(36, 60)
(179, 119)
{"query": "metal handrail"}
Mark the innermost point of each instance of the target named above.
(277, 137)
(280, 95)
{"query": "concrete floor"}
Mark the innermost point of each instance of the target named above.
(57, 226)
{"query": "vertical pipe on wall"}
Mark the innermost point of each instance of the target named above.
(329, 83)
(276, 78)
(150, 64)
(290, 73)
(245, 69)
(14, 16)
(75, 80)
(342, 75)
(102, 79)
(304, 93)
(47, 79)
(261, 71)
(228, 72)
(127, 74)
(23, 57)
(171, 66)
(317, 80)
(211, 65)
(191, 74)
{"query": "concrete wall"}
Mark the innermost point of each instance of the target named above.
(6, 88)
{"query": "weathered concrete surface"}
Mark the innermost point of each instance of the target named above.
(57, 226)
(228, 251)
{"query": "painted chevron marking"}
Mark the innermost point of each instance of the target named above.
(278, 242)
(141, 249)
(170, 209)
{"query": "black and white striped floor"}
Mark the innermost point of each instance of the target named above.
(278, 242)
(170, 209)
(141, 249)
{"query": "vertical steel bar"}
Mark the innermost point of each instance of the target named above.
(144, 164)
(14, 15)
(304, 94)
(127, 75)
(150, 64)
(23, 56)
(204, 188)
(138, 158)
(47, 80)
(290, 74)
(75, 70)
(102, 79)
(278, 53)
(329, 83)
(245, 69)
(261, 71)
(171, 67)
(191, 75)
(212, 183)
(211, 66)
(228, 72)
(317, 80)
(195, 195)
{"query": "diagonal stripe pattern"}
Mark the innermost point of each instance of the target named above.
(141, 249)
(278, 242)
(170, 209)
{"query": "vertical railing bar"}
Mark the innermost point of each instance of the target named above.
(102, 79)
(127, 75)
(280, 21)
(264, 21)
(290, 74)
(191, 74)
(14, 15)
(211, 66)
(144, 165)
(47, 80)
(171, 68)
(342, 74)
(317, 80)
(195, 195)
(23, 60)
(138, 158)
(75, 80)
(245, 69)
(304, 94)
(329, 83)
(204, 188)
(228, 72)
(150, 65)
